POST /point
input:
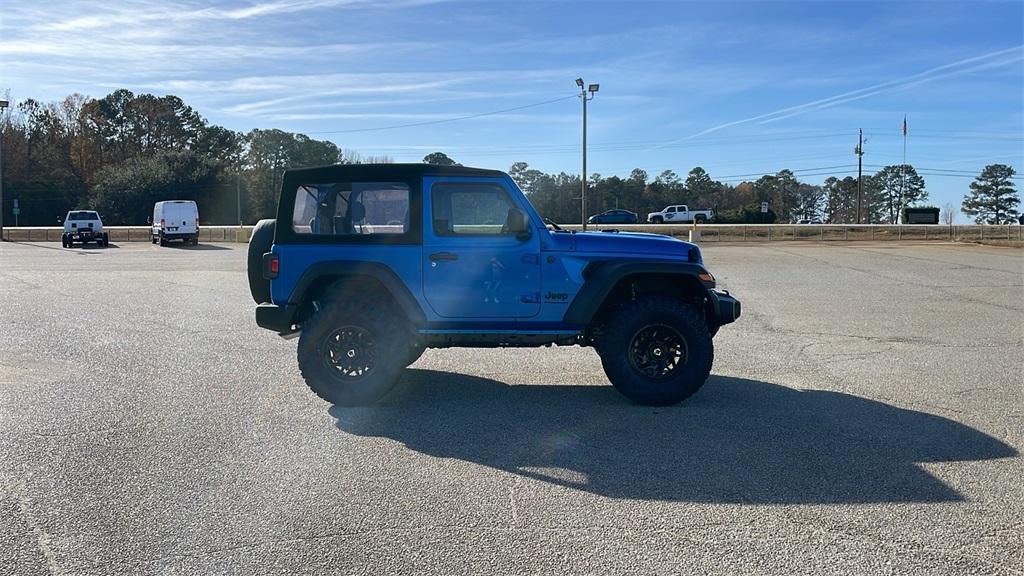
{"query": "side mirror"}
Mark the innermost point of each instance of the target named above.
(518, 224)
(149, 219)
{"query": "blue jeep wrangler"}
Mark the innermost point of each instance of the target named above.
(370, 264)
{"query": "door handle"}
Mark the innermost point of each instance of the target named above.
(443, 256)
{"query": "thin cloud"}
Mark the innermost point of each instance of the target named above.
(177, 13)
(982, 62)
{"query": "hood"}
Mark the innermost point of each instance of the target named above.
(638, 243)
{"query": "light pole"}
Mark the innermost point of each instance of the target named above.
(3, 109)
(592, 89)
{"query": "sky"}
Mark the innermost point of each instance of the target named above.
(739, 88)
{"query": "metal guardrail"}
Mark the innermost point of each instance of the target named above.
(126, 233)
(709, 232)
(825, 232)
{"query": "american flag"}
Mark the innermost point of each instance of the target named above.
(904, 125)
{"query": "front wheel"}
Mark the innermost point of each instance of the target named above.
(657, 351)
(657, 220)
(353, 349)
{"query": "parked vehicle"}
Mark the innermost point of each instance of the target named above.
(83, 227)
(370, 264)
(809, 221)
(614, 217)
(175, 220)
(681, 213)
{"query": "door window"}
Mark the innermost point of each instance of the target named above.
(473, 209)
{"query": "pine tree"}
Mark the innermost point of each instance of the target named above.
(899, 186)
(993, 198)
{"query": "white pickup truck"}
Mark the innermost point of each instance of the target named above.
(681, 213)
(82, 227)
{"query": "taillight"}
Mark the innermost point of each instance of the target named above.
(271, 265)
(197, 220)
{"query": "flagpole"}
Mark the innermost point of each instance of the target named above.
(904, 139)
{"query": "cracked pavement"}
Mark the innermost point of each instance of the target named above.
(864, 416)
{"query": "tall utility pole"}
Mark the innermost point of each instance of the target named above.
(3, 109)
(903, 169)
(238, 195)
(583, 190)
(860, 170)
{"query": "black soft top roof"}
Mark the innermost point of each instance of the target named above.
(380, 171)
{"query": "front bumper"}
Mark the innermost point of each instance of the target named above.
(276, 318)
(723, 307)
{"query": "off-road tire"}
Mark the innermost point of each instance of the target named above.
(152, 239)
(657, 220)
(382, 324)
(259, 243)
(690, 372)
(700, 218)
(163, 241)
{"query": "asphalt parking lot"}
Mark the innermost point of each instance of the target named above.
(866, 415)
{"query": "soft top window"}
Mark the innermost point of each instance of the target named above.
(352, 208)
(83, 215)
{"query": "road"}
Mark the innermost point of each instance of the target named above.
(865, 416)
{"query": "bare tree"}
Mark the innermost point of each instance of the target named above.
(948, 214)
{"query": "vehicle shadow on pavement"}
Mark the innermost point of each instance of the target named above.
(737, 440)
(178, 246)
(80, 249)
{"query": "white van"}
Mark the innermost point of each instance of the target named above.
(175, 220)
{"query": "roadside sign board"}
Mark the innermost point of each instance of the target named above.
(764, 207)
(17, 210)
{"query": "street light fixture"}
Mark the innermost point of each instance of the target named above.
(585, 97)
(3, 108)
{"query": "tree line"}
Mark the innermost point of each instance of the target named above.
(122, 153)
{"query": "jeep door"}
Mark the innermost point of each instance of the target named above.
(474, 266)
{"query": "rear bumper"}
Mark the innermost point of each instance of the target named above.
(84, 237)
(178, 235)
(276, 318)
(723, 307)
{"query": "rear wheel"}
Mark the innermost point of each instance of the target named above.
(352, 351)
(657, 351)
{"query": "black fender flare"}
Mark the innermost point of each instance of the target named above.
(354, 269)
(601, 278)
